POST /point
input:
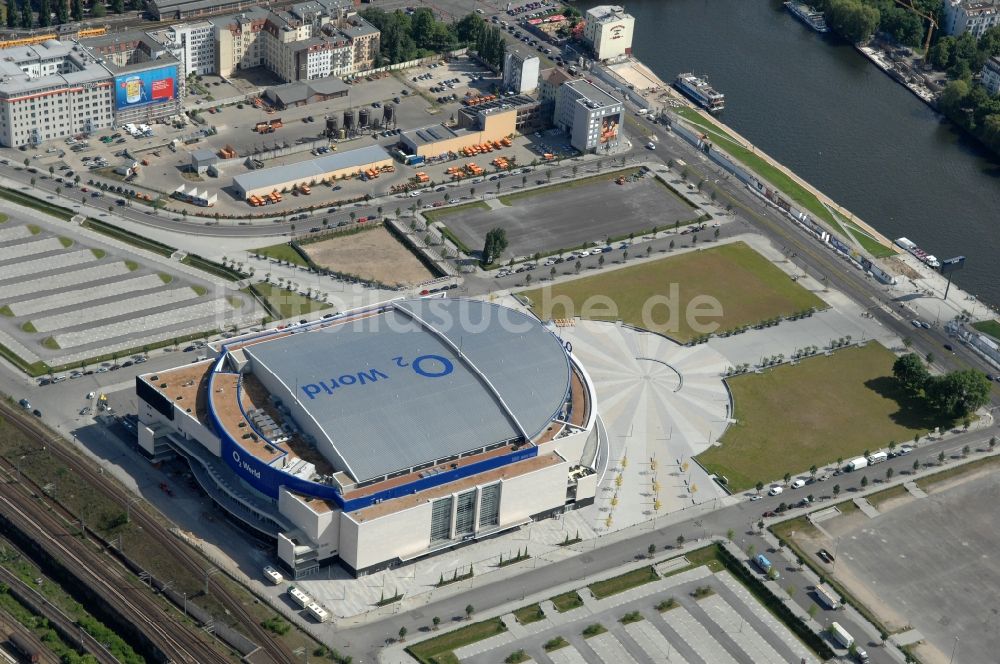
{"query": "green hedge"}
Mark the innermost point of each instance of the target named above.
(219, 270)
(129, 237)
(775, 604)
(26, 200)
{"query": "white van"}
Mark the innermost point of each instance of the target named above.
(799, 483)
(775, 491)
(273, 575)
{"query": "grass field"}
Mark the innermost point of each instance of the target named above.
(990, 327)
(567, 601)
(286, 303)
(822, 409)
(439, 213)
(439, 649)
(627, 581)
(748, 288)
(529, 614)
(282, 252)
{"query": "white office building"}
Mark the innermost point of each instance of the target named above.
(52, 90)
(193, 44)
(590, 115)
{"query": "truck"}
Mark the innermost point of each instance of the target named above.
(878, 457)
(826, 597)
(856, 464)
(841, 635)
(764, 564)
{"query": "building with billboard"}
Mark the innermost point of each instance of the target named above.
(590, 115)
(520, 71)
(148, 79)
(609, 31)
(52, 90)
(263, 181)
(384, 434)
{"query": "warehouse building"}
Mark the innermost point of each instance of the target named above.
(313, 171)
(385, 434)
(476, 124)
(609, 30)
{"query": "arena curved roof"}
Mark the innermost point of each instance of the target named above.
(417, 381)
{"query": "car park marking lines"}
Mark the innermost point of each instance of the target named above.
(57, 262)
(698, 638)
(654, 643)
(114, 309)
(84, 294)
(610, 649)
(72, 278)
(26, 249)
(742, 633)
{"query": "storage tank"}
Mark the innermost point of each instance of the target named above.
(388, 114)
(341, 134)
(331, 125)
(363, 118)
(349, 119)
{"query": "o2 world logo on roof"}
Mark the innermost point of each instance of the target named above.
(425, 366)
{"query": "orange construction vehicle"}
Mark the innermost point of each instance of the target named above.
(275, 196)
(304, 189)
(421, 177)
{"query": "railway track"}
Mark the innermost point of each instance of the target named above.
(269, 649)
(172, 638)
(59, 620)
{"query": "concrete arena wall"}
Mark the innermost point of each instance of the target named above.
(398, 535)
(323, 528)
(524, 496)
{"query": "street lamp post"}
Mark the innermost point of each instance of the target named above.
(953, 649)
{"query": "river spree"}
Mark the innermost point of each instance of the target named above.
(826, 112)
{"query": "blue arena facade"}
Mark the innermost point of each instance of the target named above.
(440, 420)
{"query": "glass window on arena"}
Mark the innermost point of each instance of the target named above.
(465, 514)
(441, 519)
(489, 506)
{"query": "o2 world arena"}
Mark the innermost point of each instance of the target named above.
(384, 434)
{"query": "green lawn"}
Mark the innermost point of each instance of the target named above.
(627, 581)
(282, 252)
(567, 601)
(439, 649)
(747, 286)
(822, 409)
(529, 614)
(286, 303)
(761, 167)
(990, 327)
(437, 214)
(871, 245)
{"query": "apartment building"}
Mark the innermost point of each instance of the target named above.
(52, 90)
(193, 44)
(973, 16)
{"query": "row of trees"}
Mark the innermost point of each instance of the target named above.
(953, 396)
(56, 12)
(410, 36)
(964, 102)
(858, 20)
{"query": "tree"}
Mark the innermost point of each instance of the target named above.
(11, 14)
(680, 541)
(76, 10)
(27, 20)
(759, 487)
(916, 465)
(494, 246)
(751, 550)
(836, 490)
(958, 393)
(812, 470)
(118, 6)
(600, 260)
(730, 534)
(62, 11)
(469, 610)
(577, 266)
(650, 550)
(889, 472)
(44, 14)
(910, 371)
(856, 22)
(436, 622)
(97, 9)
(788, 476)
(941, 457)
(402, 633)
(864, 481)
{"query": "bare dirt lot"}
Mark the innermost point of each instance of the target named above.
(373, 255)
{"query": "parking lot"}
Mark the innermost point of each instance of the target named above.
(569, 217)
(726, 626)
(901, 564)
(69, 294)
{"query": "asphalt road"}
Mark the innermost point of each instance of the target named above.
(364, 642)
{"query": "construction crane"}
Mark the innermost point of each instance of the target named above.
(932, 23)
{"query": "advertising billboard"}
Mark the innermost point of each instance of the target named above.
(145, 87)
